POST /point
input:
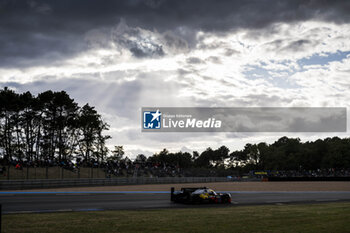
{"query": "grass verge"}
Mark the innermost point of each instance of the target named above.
(327, 217)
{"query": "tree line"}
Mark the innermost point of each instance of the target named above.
(49, 126)
(284, 154)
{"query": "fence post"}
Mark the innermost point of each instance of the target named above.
(27, 176)
(47, 172)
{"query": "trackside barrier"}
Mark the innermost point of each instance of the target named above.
(333, 178)
(57, 183)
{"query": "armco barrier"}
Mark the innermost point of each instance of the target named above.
(308, 178)
(57, 183)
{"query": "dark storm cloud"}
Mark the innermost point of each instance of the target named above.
(37, 32)
(154, 50)
(140, 44)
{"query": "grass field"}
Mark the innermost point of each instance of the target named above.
(327, 217)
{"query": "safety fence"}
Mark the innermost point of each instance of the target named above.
(57, 183)
(56, 172)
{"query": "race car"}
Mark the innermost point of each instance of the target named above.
(199, 195)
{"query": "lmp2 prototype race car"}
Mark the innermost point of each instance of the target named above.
(198, 196)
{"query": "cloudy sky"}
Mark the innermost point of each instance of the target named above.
(122, 55)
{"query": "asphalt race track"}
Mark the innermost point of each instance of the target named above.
(22, 202)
